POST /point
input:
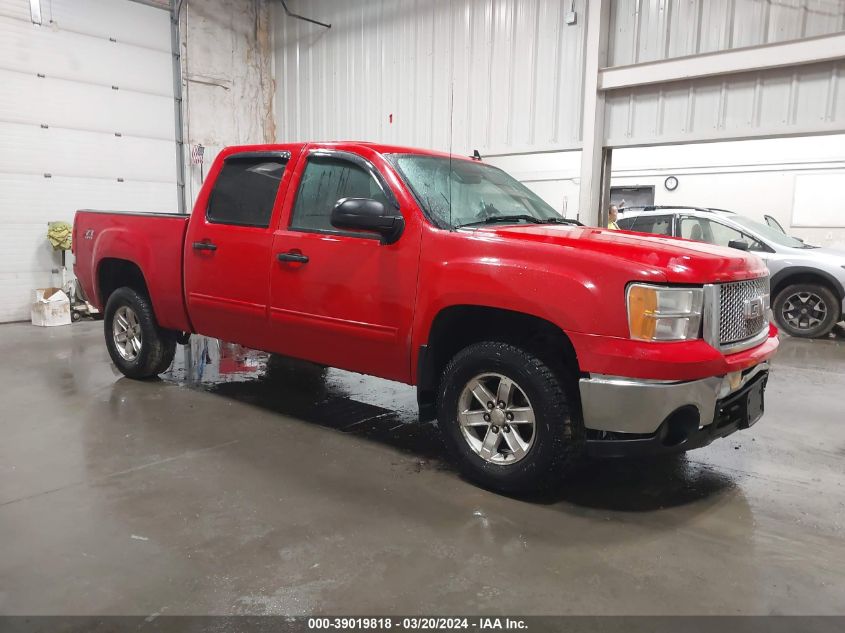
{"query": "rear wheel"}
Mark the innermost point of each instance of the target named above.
(138, 347)
(506, 419)
(806, 310)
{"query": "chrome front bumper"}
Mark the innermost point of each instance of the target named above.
(632, 405)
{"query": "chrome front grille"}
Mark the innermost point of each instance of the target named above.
(739, 318)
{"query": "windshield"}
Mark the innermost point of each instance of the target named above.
(460, 192)
(769, 233)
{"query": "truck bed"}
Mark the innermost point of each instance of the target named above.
(154, 242)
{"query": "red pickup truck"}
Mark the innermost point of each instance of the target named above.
(531, 338)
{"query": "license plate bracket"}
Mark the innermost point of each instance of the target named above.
(754, 403)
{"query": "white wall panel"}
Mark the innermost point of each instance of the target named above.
(649, 30)
(818, 201)
(26, 98)
(127, 22)
(78, 146)
(56, 198)
(18, 9)
(32, 150)
(28, 202)
(493, 75)
(805, 99)
(68, 55)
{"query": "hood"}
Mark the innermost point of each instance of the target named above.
(832, 255)
(680, 260)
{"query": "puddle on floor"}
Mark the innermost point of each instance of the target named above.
(378, 409)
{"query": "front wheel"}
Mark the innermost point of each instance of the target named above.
(806, 310)
(138, 347)
(505, 417)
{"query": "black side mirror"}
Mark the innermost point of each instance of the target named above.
(739, 245)
(365, 214)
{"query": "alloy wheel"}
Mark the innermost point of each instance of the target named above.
(804, 310)
(126, 331)
(496, 418)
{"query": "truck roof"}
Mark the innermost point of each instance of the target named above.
(377, 147)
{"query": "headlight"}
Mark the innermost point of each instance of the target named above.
(657, 313)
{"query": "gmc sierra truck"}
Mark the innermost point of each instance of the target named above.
(531, 338)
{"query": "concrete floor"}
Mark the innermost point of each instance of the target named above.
(241, 486)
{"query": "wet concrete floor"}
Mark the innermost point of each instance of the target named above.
(246, 484)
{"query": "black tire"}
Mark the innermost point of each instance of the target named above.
(557, 442)
(75, 315)
(157, 345)
(786, 304)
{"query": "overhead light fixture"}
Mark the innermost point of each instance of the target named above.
(35, 11)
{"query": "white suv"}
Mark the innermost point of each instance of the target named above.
(807, 282)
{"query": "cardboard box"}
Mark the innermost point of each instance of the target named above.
(50, 306)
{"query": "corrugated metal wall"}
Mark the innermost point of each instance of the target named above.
(505, 76)
(650, 30)
(802, 100)
(493, 75)
(806, 99)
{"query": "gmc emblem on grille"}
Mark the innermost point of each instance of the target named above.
(752, 308)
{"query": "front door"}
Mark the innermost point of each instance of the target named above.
(228, 249)
(337, 297)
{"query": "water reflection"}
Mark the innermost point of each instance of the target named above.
(378, 409)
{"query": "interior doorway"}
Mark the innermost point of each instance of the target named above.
(637, 196)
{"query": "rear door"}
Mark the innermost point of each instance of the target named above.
(227, 249)
(349, 301)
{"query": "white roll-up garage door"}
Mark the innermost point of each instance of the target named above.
(86, 121)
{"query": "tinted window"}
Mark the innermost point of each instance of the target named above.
(657, 224)
(324, 182)
(245, 191)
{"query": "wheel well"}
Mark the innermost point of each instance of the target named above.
(117, 273)
(457, 327)
(804, 278)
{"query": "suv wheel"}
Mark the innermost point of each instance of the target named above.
(806, 310)
(505, 417)
(138, 347)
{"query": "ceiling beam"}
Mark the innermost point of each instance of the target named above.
(740, 60)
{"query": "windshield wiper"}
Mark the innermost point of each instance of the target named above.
(562, 221)
(495, 219)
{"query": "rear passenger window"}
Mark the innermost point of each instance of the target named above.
(656, 224)
(245, 190)
(324, 182)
